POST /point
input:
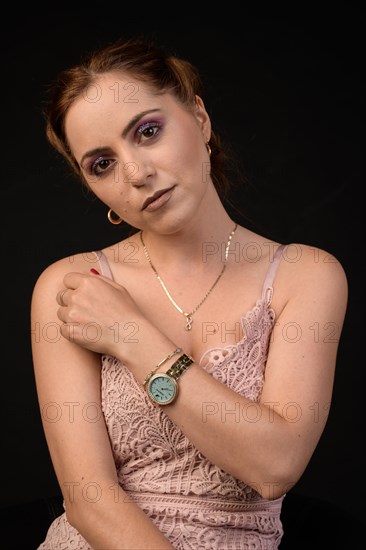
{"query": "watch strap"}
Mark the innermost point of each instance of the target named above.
(180, 365)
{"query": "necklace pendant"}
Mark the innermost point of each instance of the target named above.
(188, 316)
(189, 322)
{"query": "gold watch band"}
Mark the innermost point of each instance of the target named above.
(178, 368)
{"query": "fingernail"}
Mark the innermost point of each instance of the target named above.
(94, 271)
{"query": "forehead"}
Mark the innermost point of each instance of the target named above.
(110, 101)
(118, 88)
(111, 91)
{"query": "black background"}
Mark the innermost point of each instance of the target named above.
(286, 92)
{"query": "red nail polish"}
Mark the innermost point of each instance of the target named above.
(94, 271)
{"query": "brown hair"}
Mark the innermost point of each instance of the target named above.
(146, 62)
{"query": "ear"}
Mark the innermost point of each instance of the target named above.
(203, 118)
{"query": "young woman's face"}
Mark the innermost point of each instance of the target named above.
(144, 155)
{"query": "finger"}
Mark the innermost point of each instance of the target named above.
(73, 279)
(95, 273)
(60, 297)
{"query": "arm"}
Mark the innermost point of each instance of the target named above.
(67, 379)
(271, 453)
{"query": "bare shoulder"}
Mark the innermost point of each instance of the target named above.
(50, 280)
(310, 263)
(301, 264)
(53, 274)
(311, 273)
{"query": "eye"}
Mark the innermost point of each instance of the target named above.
(100, 165)
(148, 130)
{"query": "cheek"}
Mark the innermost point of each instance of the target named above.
(109, 187)
(189, 159)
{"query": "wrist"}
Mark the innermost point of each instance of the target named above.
(162, 387)
(160, 364)
(146, 350)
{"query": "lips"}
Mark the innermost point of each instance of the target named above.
(156, 200)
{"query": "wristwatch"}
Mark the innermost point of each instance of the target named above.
(162, 388)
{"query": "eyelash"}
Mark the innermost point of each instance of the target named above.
(147, 126)
(94, 167)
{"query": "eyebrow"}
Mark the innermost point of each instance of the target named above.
(125, 131)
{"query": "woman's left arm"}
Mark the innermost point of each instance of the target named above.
(269, 444)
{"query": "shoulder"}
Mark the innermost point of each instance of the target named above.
(50, 280)
(310, 273)
(310, 263)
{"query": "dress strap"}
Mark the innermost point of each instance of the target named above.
(272, 270)
(104, 264)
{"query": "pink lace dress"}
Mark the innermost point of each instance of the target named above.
(194, 503)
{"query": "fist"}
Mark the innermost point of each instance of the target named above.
(98, 314)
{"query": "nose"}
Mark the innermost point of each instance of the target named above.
(132, 173)
(136, 169)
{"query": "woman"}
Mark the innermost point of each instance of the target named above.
(189, 391)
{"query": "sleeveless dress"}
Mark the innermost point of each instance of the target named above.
(194, 503)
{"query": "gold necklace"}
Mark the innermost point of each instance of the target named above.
(188, 316)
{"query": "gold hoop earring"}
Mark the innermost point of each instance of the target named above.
(208, 149)
(115, 221)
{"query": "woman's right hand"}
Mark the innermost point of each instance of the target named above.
(99, 314)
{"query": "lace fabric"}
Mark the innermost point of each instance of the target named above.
(197, 505)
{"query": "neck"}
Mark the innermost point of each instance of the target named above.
(192, 249)
(188, 314)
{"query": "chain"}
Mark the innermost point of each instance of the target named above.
(188, 316)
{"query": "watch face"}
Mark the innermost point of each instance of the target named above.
(162, 389)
